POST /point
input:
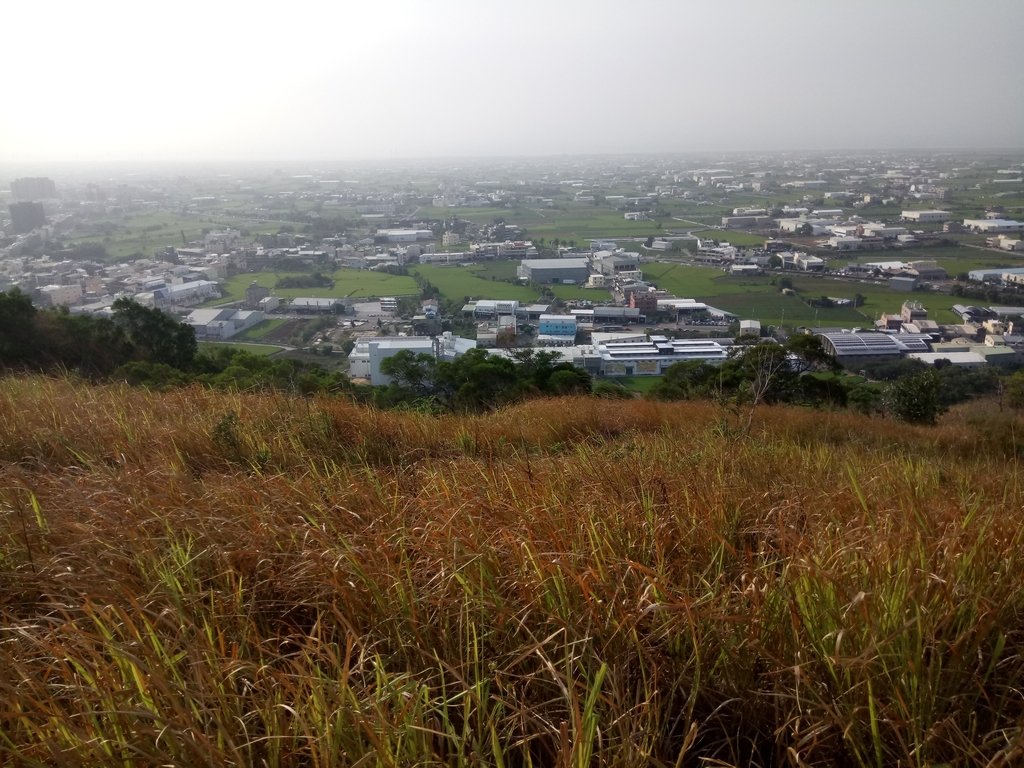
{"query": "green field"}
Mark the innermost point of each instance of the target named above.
(571, 292)
(488, 282)
(732, 237)
(144, 233)
(757, 297)
(954, 259)
(498, 270)
(457, 283)
(686, 281)
(253, 349)
(641, 384)
(571, 222)
(355, 283)
(261, 329)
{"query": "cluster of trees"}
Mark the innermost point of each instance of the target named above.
(142, 346)
(315, 279)
(93, 346)
(801, 372)
(990, 294)
(229, 368)
(476, 381)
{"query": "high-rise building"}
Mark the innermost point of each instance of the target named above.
(33, 188)
(26, 216)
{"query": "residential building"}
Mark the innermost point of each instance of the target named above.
(185, 294)
(26, 216)
(404, 235)
(254, 294)
(912, 312)
(60, 295)
(33, 188)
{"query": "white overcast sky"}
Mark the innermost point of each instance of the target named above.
(213, 80)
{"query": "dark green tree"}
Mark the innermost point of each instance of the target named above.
(414, 372)
(914, 399)
(1014, 391)
(567, 379)
(156, 337)
(18, 341)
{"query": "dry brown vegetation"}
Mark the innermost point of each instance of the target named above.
(200, 578)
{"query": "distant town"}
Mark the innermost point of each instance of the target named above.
(622, 267)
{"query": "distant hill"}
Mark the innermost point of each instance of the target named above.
(195, 577)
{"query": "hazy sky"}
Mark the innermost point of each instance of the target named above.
(355, 79)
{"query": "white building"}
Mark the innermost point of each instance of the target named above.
(368, 353)
(60, 295)
(222, 323)
(993, 225)
(750, 327)
(808, 262)
(651, 358)
(840, 243)
(405, 235)
(180, 294)
(492, 307)
(884, 231)
(817, 226)
(925, 217)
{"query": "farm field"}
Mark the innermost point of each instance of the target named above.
(756, 296)
(357, 283)
(742, 239)
(954, 260)
(145, 233)
(574, 223)
(476, 281)
(261, 329)
(456, 283)
(253, 349)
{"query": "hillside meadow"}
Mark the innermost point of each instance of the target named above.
(203, 578)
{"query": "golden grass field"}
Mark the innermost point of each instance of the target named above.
(198, 578)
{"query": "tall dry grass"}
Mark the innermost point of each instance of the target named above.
(199, 578)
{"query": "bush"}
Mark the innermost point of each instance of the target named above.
(915, 399)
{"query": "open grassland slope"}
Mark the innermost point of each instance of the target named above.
(199, 578)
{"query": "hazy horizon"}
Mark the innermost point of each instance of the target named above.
(406, 81)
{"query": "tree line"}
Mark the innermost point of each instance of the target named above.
(142, 346)
(146, 347)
